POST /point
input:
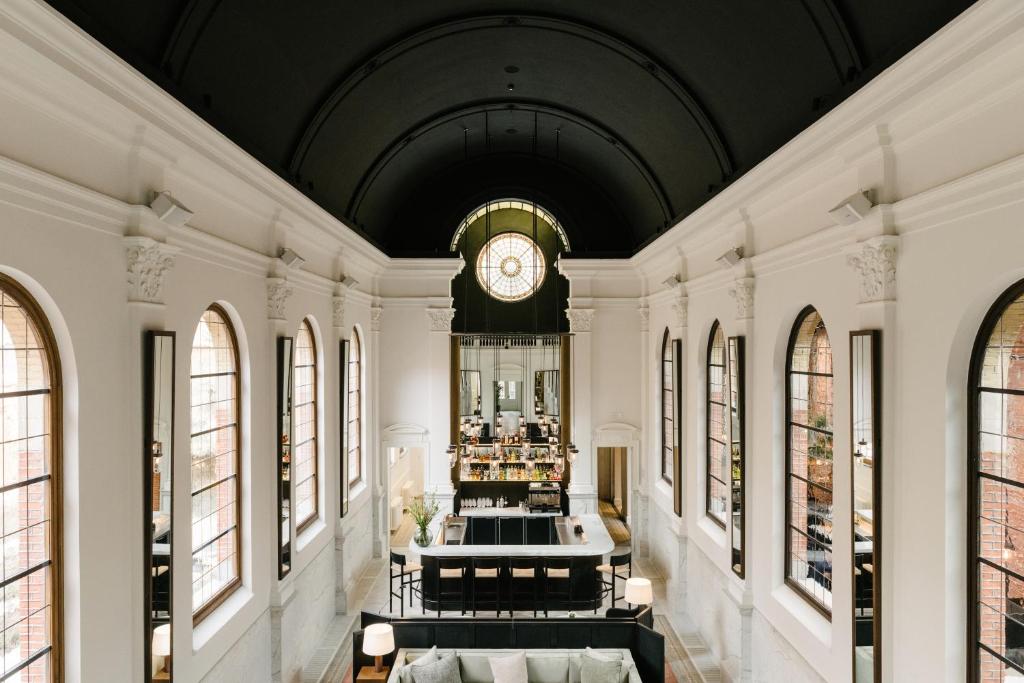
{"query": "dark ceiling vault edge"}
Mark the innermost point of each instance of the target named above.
(530, 106)
(188, 30)
(831, 28)
(645, 62)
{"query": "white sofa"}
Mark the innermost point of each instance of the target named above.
(543, 666)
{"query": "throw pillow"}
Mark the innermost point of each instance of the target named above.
(511, 669)
(444, 670)
(598, 669)
(429, 657)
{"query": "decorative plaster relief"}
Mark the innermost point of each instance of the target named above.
(580, 319)
(876, 264)
(742, 292)
(680, 307)
(338, 311)
(278, 291)
(441, 319)
(376, 313)
(645, 319)
(148, 263)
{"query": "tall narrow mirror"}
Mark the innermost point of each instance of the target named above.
(469, 393)
(158, 459)
(545, 393)
(736, 380)
(285, 349)
(865, 380)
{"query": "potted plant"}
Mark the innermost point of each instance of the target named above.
(422, 512)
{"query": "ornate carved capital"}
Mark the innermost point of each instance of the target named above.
(376, 313)
(680, 308)
(338, 311)
(278, 291)
(875, 261)
(580, 319)
(645, 319)
(441, 319)
(148, 263)
(742, 292)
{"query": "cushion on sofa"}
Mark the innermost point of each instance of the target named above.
(597, 668)
(444, 670)
(510, 669)
(576, 663)
(428, 657)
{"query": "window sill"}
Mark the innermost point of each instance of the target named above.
(307, 535)
(216, 620)
(713, 531)
(805, 614)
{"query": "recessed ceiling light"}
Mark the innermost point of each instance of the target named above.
(511, 131)
(511, 86)
(511, 69)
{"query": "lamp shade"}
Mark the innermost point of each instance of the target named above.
(378, 640)
(639, 591)
(162, 640)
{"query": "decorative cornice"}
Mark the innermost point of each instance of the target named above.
(338, 311)
(580, 319)
(376, 313)
(278, 291)
(875, 261)
(148, 262)
(441, 319)
(645, 318)
(680, 307)
(742, 292)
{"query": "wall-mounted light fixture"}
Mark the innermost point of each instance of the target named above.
(730, 258)
(851, 209)
(290, 258)
(170, 210)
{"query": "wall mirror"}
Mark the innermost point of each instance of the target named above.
(545, 392)
(736, 389)
(865, 381)
(469, 393)
(285, 363)
(158, 489)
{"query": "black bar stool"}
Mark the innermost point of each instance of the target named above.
(528, 571)
(560, 569)
(618, 567)
(487, 568)
(404, 574)
(449, 568)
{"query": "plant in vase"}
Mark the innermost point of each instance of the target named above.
(422, 512)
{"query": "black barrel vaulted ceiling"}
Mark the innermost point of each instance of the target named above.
(401, 116)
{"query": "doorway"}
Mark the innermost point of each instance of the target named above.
(613, 492)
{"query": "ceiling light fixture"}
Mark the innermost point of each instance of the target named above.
(170, 210)
(510, 87)
(851, 209)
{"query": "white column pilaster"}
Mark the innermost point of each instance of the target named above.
(583, 482)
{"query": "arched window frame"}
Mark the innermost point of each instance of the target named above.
(201, 611)
(667, 401)
(355, 409)
(306, 450)
(717, 430)
(53, 565)
(797, 583)
(995, 574)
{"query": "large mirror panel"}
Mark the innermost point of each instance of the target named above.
(545, 392)
(470, 400)
(865, 381)
(285, 363)
(735, 360)
(158, 490)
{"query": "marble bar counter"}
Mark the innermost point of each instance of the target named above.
(529, 560)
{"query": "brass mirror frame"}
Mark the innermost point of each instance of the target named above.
(875, 406)
(285, 535)
(736, 353)
(150, 338)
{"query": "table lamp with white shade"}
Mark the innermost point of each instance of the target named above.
(378, 640)
(639, 591)
(162, 645)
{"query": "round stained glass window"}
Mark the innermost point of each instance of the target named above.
(510, 267)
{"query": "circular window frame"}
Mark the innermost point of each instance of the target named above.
(482, 267)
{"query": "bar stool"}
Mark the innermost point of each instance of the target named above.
(405, 578)
(528, 570)
(451, 568)
(557, 568)
(614, 569)
(487, 568)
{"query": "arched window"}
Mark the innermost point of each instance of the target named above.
(30, 436)
(996, 499)
(305, 427)
(667, 410)
(355, 394)
(214, 391)
(718, 448)
(809, 461)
